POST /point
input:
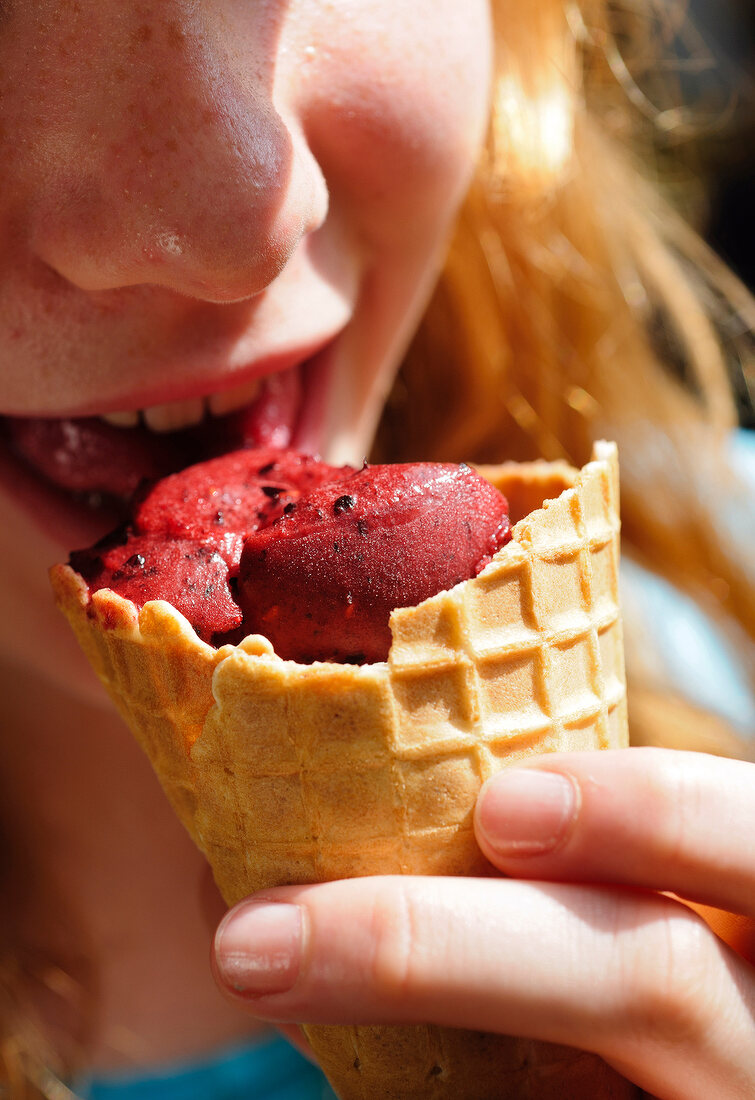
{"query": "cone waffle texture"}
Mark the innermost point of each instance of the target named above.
(288, 773)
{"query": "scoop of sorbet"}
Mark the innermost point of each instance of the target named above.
(222, 500)
(191, 576)
(186, 533)
(314, 557)
(321, 581)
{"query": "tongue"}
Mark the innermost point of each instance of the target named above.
(85, 455)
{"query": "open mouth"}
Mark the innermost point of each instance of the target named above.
(88, 468)
(105, 458)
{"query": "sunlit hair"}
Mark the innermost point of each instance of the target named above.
(576, 304)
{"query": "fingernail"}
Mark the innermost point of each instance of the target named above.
(258, 947)
(526, 812)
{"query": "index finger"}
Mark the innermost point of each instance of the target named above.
(661, 819)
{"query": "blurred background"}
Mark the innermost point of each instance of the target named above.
(719, 55)
(728, 26)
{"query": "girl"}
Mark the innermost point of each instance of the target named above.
(208, 203)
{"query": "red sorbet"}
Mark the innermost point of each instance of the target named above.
(191, 576)
(222, 500)
(321, 581)
(314, 557)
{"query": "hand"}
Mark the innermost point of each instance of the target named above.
(614, 967)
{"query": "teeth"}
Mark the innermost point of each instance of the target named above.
(229, 400)
(174, 414)
(127, 418)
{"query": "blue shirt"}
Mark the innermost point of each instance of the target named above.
(268, 1069)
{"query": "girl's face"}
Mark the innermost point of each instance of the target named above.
(198, 194)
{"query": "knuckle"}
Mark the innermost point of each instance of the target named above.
(670, 978)
(677, 798)
(394, 941)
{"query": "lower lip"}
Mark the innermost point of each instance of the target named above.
(62, 519)
(71, 524)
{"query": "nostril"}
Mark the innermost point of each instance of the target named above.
(225, 244)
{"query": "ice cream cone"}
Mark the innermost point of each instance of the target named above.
(287, 773)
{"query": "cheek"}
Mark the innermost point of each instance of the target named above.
(394, 101)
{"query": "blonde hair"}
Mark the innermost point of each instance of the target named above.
(539, 338)
(574, 304)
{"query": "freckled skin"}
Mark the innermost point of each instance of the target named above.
(160, 162)
(168, 101)
(175, 158)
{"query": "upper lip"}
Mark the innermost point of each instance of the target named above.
(202, 386)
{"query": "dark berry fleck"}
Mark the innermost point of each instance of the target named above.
(272, 491)
(290, 507)
(354, 659)
(343, 504)
(266, 469)
(136, 561)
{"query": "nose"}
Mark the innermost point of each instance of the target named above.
(171, 164)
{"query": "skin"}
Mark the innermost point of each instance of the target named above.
(195, 193)
(615, 967)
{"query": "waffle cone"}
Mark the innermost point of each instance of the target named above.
(287, 773)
